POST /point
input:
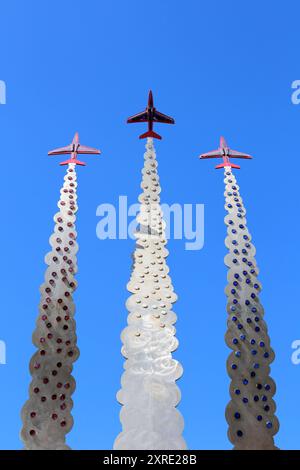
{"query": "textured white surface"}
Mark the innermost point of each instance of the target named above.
(149, 394)
(47, 414)
(250, 413)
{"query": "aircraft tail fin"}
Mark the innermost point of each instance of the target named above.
(223, 165)
(150, 134)
(77, 162)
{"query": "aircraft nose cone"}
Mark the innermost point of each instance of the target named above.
(223, 143)
(150, 98)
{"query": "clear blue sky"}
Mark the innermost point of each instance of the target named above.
(218, 68)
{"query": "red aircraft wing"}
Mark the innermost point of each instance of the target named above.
(235, 154)
(160, 117)
(62, 150)
(88, 150)
(139, 117)
(212, 154)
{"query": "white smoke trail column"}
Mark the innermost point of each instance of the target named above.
(250, 413)
(47, 414)
(149, 394)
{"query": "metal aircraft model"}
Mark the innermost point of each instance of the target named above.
(75, 148)
(226, 153)
(150, 115)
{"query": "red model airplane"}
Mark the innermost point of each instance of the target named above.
(150, 115)
(74, 149)
(225, 152)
